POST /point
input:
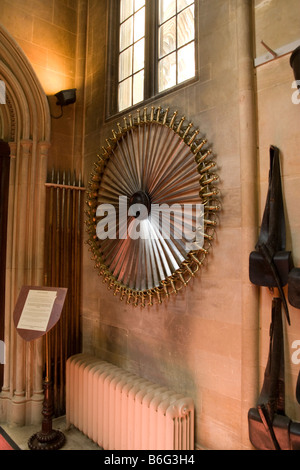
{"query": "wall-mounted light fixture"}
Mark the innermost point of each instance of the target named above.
(64, 98)
(295, 64)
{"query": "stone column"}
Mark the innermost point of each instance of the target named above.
(248, 156)
(39, 211)
(9, 252)
(23, 381)
(28, 126)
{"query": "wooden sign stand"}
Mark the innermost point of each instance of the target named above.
(37, 310)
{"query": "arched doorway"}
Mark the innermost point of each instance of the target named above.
(25, 120)
(4, 188)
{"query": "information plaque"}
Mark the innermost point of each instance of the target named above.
(37, 310)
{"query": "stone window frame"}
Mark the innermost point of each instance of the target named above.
(151, 58)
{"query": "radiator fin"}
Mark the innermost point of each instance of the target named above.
(121, 411)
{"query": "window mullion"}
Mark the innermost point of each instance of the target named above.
(151, 43)
(113, 65)
(132, 58)
(153, 66)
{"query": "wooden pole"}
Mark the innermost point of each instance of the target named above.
(63, 269)
(78, 270)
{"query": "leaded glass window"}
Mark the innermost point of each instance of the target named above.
(176, 50)
(156, 41)
(131, 53)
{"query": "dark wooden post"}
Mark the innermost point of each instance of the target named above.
(4, 188)
(47, 438)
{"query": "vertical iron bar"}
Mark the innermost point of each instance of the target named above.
(63, 269)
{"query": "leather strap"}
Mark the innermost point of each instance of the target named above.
(264, 250)
(264, 416)
(272, 237)
(272, 231)
(272, 395)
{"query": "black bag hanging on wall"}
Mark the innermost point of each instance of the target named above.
(298, 389)
(294, 287)
(269, 427)
(270, 264)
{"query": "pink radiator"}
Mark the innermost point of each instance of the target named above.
(121, 411)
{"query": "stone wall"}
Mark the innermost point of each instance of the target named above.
(193, 342)
(205, 342)
(50, 34)
(211, 340)
(278, 24)
(42, 52)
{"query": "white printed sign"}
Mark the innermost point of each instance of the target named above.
(37, 310)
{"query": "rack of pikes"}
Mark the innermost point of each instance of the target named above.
(63, 235)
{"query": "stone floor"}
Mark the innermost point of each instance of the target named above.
(75, 440)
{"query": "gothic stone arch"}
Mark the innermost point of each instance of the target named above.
(25, 124)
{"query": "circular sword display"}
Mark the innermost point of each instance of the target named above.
(152, 206)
